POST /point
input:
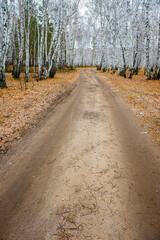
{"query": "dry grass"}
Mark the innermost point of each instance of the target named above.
(142, 97)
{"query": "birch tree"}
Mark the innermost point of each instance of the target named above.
(20, 31)
(113, 35)
(6, 23)
(127, 35)
(147, 25)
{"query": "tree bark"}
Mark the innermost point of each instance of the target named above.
(27, 40)
(6, 23)
(147, 41)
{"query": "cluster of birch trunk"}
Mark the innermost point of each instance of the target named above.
(116, 35)
(38, 35)
(124, 34)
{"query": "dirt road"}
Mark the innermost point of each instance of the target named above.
(87, 171)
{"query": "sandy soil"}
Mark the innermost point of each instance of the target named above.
(87, 171)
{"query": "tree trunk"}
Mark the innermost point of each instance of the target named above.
(35, 54)
(19, 65)
(147, 42)
(123, 72)
(2, 73)
(27, 56)
(156, 76)
(27, 41)
(53, 70)
(40, 61)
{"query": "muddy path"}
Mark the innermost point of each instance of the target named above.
(86, 172)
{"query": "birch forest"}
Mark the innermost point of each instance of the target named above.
(117, 35)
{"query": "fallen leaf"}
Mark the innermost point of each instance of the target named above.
(156, 226)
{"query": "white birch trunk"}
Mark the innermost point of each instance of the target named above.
(6, 23)
(147, 41)
(27, 40)
(40, 60)
(21, 14)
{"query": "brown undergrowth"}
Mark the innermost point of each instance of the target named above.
(20, 108)
(142, 97)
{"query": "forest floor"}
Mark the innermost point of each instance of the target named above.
(21, 108)
(143, 98)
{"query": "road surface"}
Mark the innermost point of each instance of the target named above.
(87, 171)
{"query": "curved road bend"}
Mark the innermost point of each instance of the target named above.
(85, 172)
